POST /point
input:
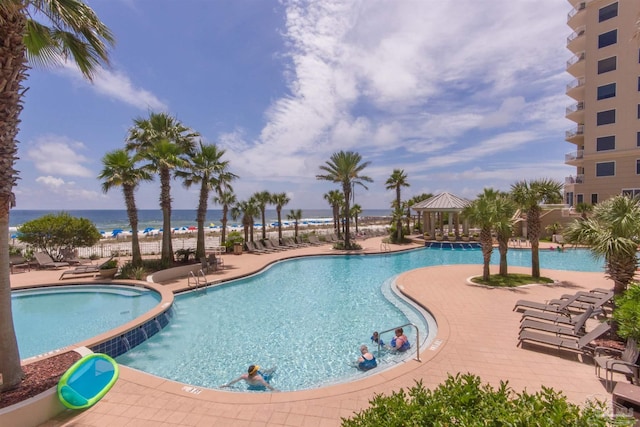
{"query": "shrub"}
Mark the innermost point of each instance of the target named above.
(52, 232)
(129, 271)
(627, 312)
(233, 238)
(463, 401)
(112, 263)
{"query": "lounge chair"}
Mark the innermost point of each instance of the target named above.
(259, 245)
(84, 270)
(71, 256)
(314, 240)
(301, 243)
(268, 244)
(573, 329)
(565, 318)
(580, 344)
(45, 261)
(251, 247)
(625, 363)
(555, 305)
(16, 261)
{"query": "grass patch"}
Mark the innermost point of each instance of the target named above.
(510, 280)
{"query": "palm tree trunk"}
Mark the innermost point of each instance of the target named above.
(503, 247)
(264, 226)
(225, 210)
(200, 218)
(347, 195)
(165, 204)
(132, 213)
(533, 229)
(487, 249)
(279, 211)
(12, 73)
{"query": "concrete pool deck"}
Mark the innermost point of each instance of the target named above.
(477, 333)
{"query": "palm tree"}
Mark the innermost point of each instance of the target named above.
(163, 141)
(503, 226)
(482, 213)
(120, 171)
(226, 199)
(262, 199)
(295, 216)
(613, 233)
(335, 199)
(206, 168)
(279, 200)
(528, 196)
(345, 168)
(356, 210)
(584, 209)
(248, 210)
(63, 29)
(396, 181)
(417, 199)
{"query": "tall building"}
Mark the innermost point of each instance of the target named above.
(606, 90)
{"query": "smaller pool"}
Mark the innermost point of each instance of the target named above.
(50, 318)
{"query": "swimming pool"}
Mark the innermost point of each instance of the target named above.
(307, 316)
(50, 318)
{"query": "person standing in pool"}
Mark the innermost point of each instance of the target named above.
(375, 338)
(367, 360)
(256, 379)
(400, 342)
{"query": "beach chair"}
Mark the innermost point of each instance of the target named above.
(555, 305)
(570, 343)
(576, 328)
(17, 261)
(259, 245)
(314, 240)
(269, 246)
(251, 247)
(71, 256)
(625, 363)
(45, 261)
(301, 243)
(84, 270)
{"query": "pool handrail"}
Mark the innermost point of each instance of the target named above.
(417, 338)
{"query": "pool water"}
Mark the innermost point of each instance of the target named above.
(47, 319)
(306, 316)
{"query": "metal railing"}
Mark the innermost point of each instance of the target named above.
(575, 59)
(575, 84)
(193, 280)
(417, 338)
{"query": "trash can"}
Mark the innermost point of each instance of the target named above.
(237, 248)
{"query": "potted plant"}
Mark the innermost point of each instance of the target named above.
(452, 236)
(439, 236)
(465, 237)
(474, 236)
(108, 269)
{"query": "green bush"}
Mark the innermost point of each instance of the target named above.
(627, 312)
(52, 232)
(463, 401)
(232, 238)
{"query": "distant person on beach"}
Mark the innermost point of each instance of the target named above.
(366, 361)
(256, 379)
(400, 342)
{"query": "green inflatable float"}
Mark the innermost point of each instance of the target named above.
(87, 381)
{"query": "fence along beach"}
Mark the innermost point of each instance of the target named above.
(116, 231)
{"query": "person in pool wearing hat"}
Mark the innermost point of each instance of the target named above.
(256, 379)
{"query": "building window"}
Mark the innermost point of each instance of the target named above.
(594, 198)
(579, 198)
(608, 12)
(639, 111)
(607, 91)
(638, 84)
(606, 117)
(607, 39)
(605, 143)
(607, 64)
(638, 139)
(637, 167)
(606, 169)
(568, 198)
(631, 192)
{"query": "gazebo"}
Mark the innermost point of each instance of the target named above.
(434, 208)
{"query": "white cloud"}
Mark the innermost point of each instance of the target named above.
(50, 181)
(59, 155)
(117, 85)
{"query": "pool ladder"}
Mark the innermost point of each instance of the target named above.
(384, 247)
(417, 338)
(194, 280)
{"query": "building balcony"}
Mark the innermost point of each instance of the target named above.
(574, 158)
(575, 89)
(578, 179)
(577, 16)
(575, 65)
(574, 135)
(576, 40)
(575, 112)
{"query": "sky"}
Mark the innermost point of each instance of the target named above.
(460, 94)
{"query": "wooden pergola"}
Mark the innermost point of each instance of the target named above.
(434, 208)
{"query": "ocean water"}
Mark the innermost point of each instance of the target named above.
(107, 220)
